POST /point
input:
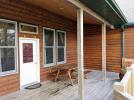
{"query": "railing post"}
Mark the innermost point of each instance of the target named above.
(132, 80)
(131, 68)
(119, 87)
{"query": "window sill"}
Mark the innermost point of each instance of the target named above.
(49, 65)
(8, 73)
(63, 62)
(58, 63)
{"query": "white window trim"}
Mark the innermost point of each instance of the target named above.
(15, 71)
(62, 62)
(44, 60)
(37, 32)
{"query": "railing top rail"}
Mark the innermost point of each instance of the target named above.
(129, 59)
(123, 88)
(127, 74)
(126, 77)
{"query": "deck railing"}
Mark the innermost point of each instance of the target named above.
(124, 90)
(128, 62)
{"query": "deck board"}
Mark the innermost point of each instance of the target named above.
(94, 86)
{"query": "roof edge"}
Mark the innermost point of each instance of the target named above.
(117, 10)
(129, 24)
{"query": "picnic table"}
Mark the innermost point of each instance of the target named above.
(68, 69)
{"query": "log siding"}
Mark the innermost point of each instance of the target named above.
(22, 12)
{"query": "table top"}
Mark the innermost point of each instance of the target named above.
(67, 67)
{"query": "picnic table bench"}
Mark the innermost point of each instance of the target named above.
(66, 68)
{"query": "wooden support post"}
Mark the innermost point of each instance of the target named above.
(80, 53)
(104, 49)
(0, 62)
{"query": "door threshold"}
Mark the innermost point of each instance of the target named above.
(24, 86)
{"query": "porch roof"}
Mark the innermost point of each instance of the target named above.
(108, 9)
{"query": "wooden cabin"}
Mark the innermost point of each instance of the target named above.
(38, 34)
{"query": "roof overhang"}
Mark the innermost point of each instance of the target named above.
(95, 11)
(63, 8)
(129, 25)
(108, 9)
(90, 12)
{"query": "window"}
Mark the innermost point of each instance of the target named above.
(27, 28)
(61, 47)
(54, 47)
(49, 41)
(8, 48)
(27, 52)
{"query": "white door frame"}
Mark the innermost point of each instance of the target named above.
(38, 57)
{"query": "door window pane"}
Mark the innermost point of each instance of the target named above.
(49, 38)
(61, 39)
(7, 59)
(60, 54)
(7, 34)
(49, 55)
(27, 52)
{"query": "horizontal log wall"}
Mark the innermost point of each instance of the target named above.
(9, 84)
(93, 48)
(129, 42)
(22, 12)
(114, 52)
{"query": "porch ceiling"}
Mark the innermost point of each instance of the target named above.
(107, 9)
(63, 8)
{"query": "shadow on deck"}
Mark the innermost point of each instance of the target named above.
(95, 89)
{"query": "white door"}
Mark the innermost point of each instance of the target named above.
(29, 62)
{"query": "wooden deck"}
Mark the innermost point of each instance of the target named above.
(95, 89)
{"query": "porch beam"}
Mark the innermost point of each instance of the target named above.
(80, 53)
(104, 49)
(78, 4)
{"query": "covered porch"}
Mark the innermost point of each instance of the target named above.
(86, 45)
(94, 88)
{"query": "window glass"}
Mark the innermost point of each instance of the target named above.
(7, 46)
(60, 54)
(27, 52)
(28, 28)
(61, 46)
(49, 55)
(61, 39)
(49, 46)
(49, 38)
(7, 59)
(7, 34)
